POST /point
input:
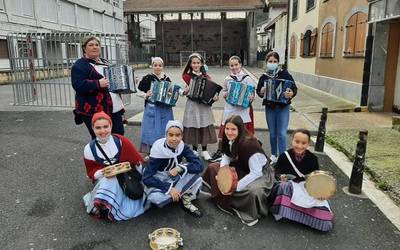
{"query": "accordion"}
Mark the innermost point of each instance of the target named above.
(164, 92)
(203, 90)
(275, 88)
(120, 79)
(239, 94)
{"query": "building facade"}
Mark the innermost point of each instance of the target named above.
(384, 82)
(327, 41)
(44, 16)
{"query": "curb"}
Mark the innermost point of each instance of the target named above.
(385, 204)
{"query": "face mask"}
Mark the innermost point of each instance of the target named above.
(272, 66)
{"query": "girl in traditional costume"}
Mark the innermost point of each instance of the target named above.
(292, 200)
(244, 153)
(107, 199)
(166, 178)
(155, 115)
(198, 119)
(237, 75)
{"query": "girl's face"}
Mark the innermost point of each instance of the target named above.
(196, 64)
(272, 59)
(231, 131)
(300, 143)
(92, 49)
(157, 67)
(102, 129)
(235, 66)
(174, 137)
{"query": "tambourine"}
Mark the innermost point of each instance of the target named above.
(115, 169)
(227, 179)
(165, 239)
(321, 185)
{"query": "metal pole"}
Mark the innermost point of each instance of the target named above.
(319, 144)
(355, 184)
(222, 39)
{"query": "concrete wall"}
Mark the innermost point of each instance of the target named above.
(376, 91)
(348, 90)
(206, 37)
(305, 20)
(345, 68)
(280, 37)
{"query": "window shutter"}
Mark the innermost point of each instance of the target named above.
(323, 40)
(351, 35)
(361, 27)
(313, 42)
(301, 44)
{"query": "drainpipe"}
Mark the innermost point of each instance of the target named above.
(285, 66)
(367, 66)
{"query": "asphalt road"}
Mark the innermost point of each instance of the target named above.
(43, 179)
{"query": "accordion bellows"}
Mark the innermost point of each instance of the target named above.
(164, 92)
(121, 80)
(239, 94)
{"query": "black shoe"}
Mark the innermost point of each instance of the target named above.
(195, 213)
(217, 156)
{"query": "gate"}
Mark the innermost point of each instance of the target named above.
(41, 65)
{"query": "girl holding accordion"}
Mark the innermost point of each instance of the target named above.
(155, 115)
(198, 119)
(276, 105)
(236, 75)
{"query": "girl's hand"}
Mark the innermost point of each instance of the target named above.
(103, 83)
(225, 94)
(288, 93)
(173, 172)
(99, 174)
(262, 91)
(252, 97)
(216, 98)
(175, 194)
(186, 90)
(148, 94)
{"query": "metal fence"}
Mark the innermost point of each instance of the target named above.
(41, 65)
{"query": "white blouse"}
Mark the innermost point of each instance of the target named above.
(256, 163)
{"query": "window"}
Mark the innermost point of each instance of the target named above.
(1, 4)
(356, 28)
(293, 41)
(308, 43)
(3, 49)
(294, 9)
(310, 4)
(23, 49)
(327, 40)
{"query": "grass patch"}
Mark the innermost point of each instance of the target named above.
(382, 156)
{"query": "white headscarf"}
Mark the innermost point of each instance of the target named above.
(157, 58)
(173, 123)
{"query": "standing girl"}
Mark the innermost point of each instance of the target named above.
(277, 113)
(198, 118)
(156, 115)
(238, 75)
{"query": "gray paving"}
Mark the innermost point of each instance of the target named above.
(43, 180)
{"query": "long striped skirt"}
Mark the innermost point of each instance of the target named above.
(319, 218)
(189, 183)
(108, 196)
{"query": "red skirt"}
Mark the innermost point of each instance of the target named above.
(249, 125)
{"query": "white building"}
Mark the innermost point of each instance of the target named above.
(97, 16)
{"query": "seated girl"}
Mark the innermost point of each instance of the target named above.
(292, 200)
(166, 179)
(242, 151)
(107, 199)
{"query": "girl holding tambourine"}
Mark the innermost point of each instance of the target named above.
(243, 152)
(291, 200)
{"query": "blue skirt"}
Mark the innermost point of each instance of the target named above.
(155, 120)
